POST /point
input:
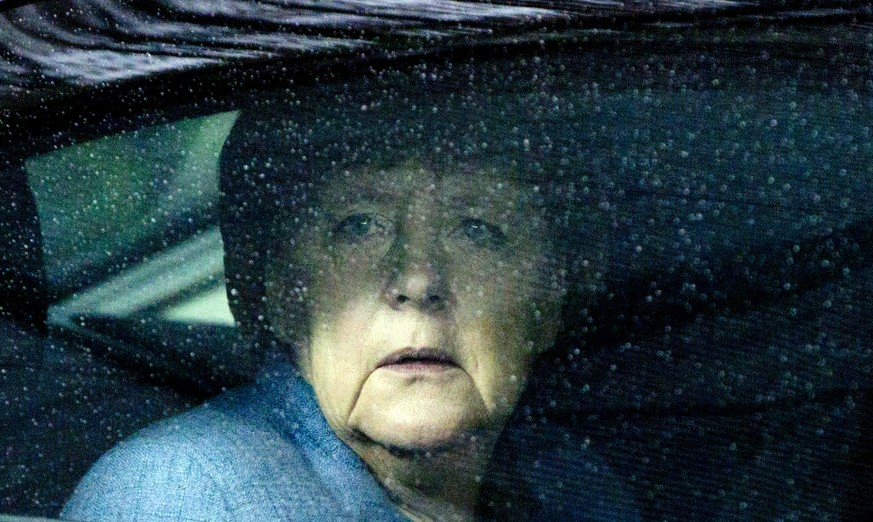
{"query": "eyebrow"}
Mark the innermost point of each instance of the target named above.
(357, 190)
(522, 194)
(456, 197)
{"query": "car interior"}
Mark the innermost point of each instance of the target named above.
(727, 367)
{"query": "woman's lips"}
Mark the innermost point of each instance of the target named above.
(418, 360)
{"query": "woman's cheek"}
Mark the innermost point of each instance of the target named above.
(497, 325)
(337, 366)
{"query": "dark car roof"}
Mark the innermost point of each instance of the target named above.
(71, 70)
(64, 46)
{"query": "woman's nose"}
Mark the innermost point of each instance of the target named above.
(417, 282)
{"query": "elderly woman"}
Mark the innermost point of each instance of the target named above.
(408, 248)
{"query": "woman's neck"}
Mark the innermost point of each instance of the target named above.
(441, 484)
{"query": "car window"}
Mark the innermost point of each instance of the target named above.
(698, 199)
(134, 207)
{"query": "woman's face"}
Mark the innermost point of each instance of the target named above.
(428, 298)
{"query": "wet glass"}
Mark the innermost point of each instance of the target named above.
(659, 259)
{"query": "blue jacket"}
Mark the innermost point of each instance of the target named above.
(265, 452)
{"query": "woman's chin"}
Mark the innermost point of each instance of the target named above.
(419, 431)
(419, 421)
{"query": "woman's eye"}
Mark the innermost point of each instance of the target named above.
(360, 226)
(481, 233)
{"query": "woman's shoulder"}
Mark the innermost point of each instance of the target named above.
(217, 461)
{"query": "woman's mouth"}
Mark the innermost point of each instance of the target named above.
(418, 360)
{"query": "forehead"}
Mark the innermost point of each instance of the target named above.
(461, 185)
